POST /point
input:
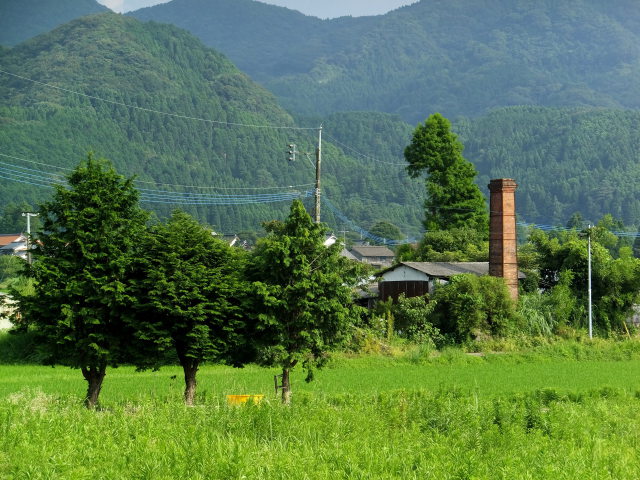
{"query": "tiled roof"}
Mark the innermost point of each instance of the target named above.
(447, 269)
(375, 251)
(7, 238)
(347, 254)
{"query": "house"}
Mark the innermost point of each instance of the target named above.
(14, 244)
(415, 279)
(418, 278)
(376, 256)
(7, 238)
(348, 255)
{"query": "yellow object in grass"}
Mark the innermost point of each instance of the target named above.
(242, 399)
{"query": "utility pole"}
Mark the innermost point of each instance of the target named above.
(318, 160)
(589, 281)
(292, 152)
(29, 215)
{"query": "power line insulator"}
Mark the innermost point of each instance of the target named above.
(292, 152)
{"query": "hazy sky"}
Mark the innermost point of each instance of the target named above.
(318, 8)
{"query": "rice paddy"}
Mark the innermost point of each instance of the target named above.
(541, 415)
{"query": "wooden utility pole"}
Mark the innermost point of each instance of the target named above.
(318, 160)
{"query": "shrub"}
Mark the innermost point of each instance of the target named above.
(470, 307)
(412, 320)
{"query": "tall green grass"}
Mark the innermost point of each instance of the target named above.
(560, 411)
(444, 434)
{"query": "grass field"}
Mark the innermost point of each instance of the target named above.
(566, 414)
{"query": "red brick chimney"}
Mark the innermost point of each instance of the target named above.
(503, 257)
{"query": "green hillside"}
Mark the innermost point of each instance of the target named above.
(23, 19)
(565, 160)
(218, 134)
(457, 57)
(263, 40)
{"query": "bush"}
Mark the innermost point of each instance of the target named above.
(412, 320)
(470, 307)
(10, 267)
(18, 347)
(548, 313)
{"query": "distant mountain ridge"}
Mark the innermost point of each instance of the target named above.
(216, 134)
(24, 19)
(458, 57)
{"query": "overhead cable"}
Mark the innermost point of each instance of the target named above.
(160, 112)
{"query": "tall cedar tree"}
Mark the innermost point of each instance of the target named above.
(453, 200)
(304, 303)
(83, 257)
(188, 292)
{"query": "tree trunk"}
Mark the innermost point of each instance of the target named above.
(190, 369)
(94, 377)
(286, 387)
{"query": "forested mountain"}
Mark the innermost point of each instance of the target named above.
(23, 19)
(456, 57)
(266, 41)
(217, 134)
(565, 160)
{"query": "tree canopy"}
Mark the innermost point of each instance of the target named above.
(85, 249)
(187, 296)
(560, 262)
(453, 200)
(303, 300)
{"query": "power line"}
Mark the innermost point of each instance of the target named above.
(160, 112)
(42, 179)
(34, 162)
(246, 200)
(335, 140)
(362, 231)
(141, 181)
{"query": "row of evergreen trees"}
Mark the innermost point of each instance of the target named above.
(109, 288)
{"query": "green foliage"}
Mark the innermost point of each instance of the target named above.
(470, 307)
(546, 314)
(12, 221)
(426, 56)
(162, 68)
(90, 229)
(302, 291)
(405, 253)
(412, 320)
(19, 347)
(472, 413)
(565, 160)
(386, 230)
(187, 297)
(453, 245)
(10, 266)
(561, 263)
(453, 200)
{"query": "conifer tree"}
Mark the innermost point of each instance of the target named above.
(303, 298)
(453, 199)
(85, 249)
(187, 296)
